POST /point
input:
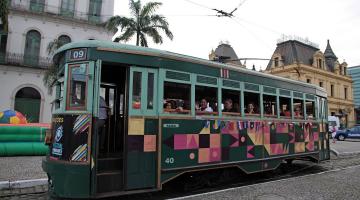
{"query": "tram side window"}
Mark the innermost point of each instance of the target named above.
(150, 92)
(231, 102)
(298, 108)
(77, 87)
(136, 93)
(269, 103)
(251, 103)
(310, 109)
(177, 98)
(59, 94)
(205, 100)
(285, 107)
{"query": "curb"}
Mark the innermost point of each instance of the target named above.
(334, 152)
(7, 185)
(344, 154)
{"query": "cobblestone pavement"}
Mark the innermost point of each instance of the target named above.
(40, 192)
(338, 184)
(26, 167)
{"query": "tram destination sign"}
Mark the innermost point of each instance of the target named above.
(77, 54)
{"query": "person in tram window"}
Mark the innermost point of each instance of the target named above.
(297, 112)
(228, 106)
(285, 111)
(250, 108)
(204, 106)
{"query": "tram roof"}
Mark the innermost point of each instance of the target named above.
(124, 48)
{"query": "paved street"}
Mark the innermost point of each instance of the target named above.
(27, 168)
(338, 184)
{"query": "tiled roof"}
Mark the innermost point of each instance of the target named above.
(330, 57)
(226, 52)
(294, 51)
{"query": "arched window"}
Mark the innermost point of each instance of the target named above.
(32, 48)
(64, 39)
(27, 101)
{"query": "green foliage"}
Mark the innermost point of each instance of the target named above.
(50, 75)
(144, 22)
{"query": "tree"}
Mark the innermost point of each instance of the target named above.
(4, 12)
(50, 75)
(144, 22)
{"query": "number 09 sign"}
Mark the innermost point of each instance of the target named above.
(77, 54)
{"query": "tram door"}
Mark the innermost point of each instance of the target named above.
(110, 142)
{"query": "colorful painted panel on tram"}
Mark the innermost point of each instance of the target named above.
(194, 142)
(71, 136)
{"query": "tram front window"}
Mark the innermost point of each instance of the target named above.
(77, 87)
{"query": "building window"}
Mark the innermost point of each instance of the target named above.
(64, 39)
(320, 63)
(67, 8)
(345, 93)
(345, 71)
(321, 84)
(37, 5)
(3, 41)
(95, 10)
(341, 70)
(308, 80)
(32, 48)
(276, 62)
(332, 90)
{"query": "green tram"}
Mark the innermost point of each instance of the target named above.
(168, 115)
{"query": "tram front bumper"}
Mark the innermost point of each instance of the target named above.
(67, 180)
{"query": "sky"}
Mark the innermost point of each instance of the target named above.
(257, 26)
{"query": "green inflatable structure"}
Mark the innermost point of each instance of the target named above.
(22, 140)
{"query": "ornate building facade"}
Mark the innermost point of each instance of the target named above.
(305, 62)
(32, 26)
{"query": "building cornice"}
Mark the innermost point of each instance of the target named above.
(302, 67)
(55, 18)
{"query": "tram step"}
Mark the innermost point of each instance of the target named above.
(109, 164)
(109, 181)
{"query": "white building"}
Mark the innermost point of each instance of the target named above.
(33, 24)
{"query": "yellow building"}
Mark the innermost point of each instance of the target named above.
(303, 61)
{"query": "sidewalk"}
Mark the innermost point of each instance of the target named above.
(21, 172)
(345, 148)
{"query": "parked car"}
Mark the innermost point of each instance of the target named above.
(353, 132)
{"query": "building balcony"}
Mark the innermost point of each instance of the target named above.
(56, 12)
(22, 60)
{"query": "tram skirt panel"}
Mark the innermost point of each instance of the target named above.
(141, 153)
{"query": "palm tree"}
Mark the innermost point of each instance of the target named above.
(142, 23)
(4, 11)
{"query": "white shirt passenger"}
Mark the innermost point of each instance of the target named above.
(102, 108)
